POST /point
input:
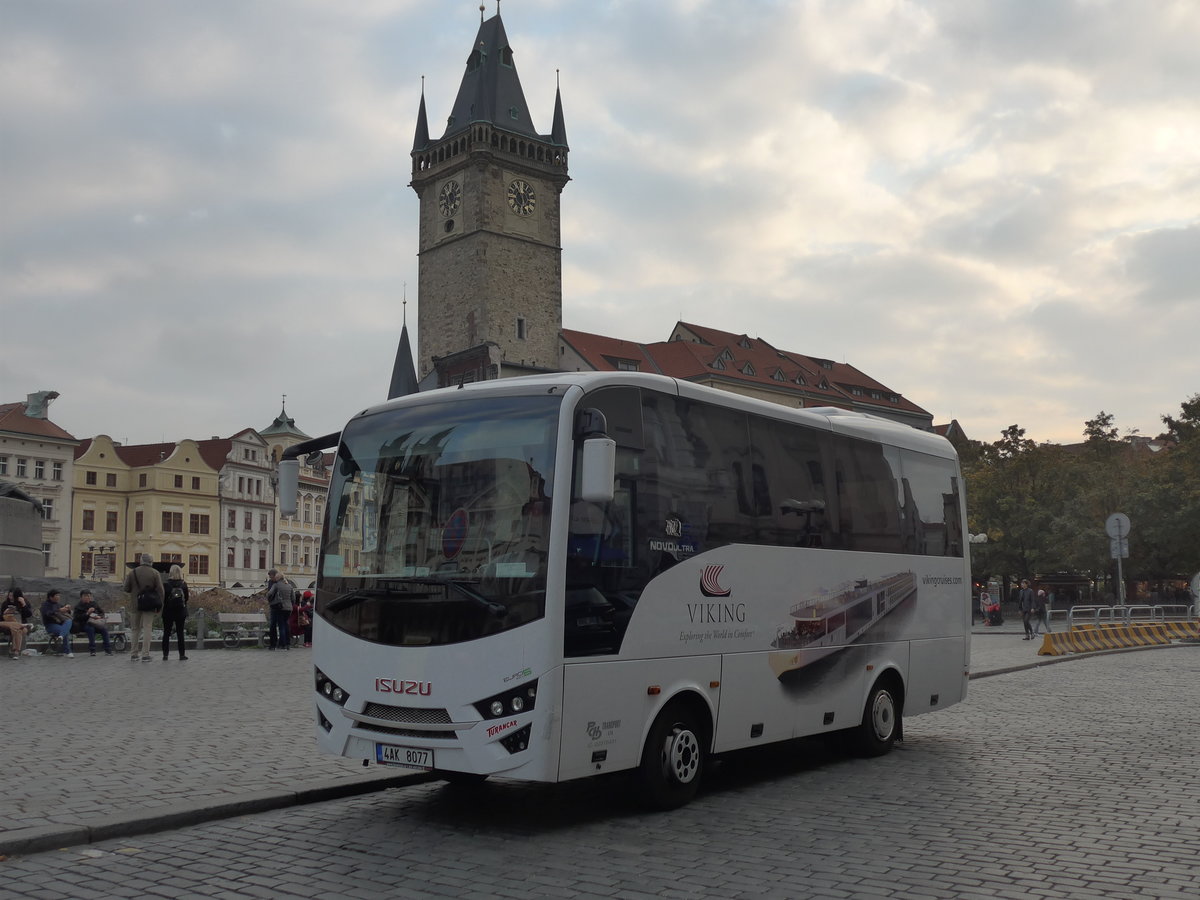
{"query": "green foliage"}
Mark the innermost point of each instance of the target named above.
(1043, 506)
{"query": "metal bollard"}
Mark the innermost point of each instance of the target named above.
(201, 629)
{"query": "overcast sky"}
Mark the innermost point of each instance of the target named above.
(991, 207)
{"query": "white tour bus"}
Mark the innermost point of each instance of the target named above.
(556, 576)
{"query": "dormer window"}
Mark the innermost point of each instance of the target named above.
(799, 379)
(748, 369)
(513, 114)
(744, 343)
(778, 376)
(474, 60)
(856, 391)
(506, 58)
(718, 364)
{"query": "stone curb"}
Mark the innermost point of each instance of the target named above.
(57, 837)
(1052, 660)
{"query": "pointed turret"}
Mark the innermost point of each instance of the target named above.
(558, 132)
(404, 373)
(491, 90)
(421, 138)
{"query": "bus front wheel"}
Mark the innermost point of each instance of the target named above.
(673, 758)
(880, 726)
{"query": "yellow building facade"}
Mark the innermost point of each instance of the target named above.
(161, 499)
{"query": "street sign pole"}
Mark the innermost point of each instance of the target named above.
(1117, 526)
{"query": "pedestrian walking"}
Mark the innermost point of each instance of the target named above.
(145, 588)
(89, 619)
(56, 616)
(279, 598)
(1025, 603)
(1039, 613)
(175, 611)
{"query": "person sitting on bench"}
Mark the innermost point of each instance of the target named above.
(89, 619)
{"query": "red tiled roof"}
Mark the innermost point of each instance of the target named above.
(136, 456)
(739, 358)
(14, 420)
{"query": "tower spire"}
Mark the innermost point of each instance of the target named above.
(421, 137)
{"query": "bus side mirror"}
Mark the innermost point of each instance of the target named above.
(289, 483)
(598, 469)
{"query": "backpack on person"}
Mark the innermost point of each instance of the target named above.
(176, 600)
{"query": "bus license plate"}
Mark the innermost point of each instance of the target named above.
(406, 757)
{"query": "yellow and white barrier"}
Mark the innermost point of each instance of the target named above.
(1090, 638)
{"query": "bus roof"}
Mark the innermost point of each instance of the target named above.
(838, 421)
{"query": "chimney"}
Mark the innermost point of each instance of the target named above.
(37, 404)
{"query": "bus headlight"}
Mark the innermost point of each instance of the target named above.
(329, 690)
(517, 700)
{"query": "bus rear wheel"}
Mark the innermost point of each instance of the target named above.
(880, 724)
(673, 758)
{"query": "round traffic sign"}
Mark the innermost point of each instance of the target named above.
(1117, 526)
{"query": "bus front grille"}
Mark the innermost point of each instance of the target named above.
(413, 714)
(407, 732)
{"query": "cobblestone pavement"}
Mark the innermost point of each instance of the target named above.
(1064, 781)
(1041, 776)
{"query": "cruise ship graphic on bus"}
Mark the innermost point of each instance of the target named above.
(835, 618)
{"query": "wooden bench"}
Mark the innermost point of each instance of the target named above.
(234, 626)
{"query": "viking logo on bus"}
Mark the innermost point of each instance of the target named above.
(710, 582)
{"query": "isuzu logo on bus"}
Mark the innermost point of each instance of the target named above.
(396, 686)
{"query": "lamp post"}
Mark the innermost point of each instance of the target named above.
(102, 554)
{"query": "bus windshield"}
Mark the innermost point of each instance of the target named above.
(439, 521)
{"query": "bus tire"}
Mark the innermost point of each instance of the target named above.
(880, 726)
(673, 758)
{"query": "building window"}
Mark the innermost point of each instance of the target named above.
(173, 558)
(48, 510)
(110, 520)
(195, 483)
(262, 522)
(21, 466)
(3, 465)
(198, 523)
(89, 520)
(231, 519)
(248, 521)
(142, 480)
(173, 522)
(110, 479)
(295, 556)
(307, 512)
(262, 559)
(229, 557)
(246, 558)
(197, 564)
(46, 555)
(179, 481)
(283, 557)
(520, 329)
(57, 471)
(139, 520)
(306, 557)
(258, 487)
(241, 484)
(39, 469)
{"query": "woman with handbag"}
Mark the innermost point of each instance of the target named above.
(11, 622)
(56, 616)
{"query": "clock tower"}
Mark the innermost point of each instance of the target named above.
(490, 259)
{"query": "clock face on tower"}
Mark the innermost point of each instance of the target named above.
(449, 198)
(521, 198)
